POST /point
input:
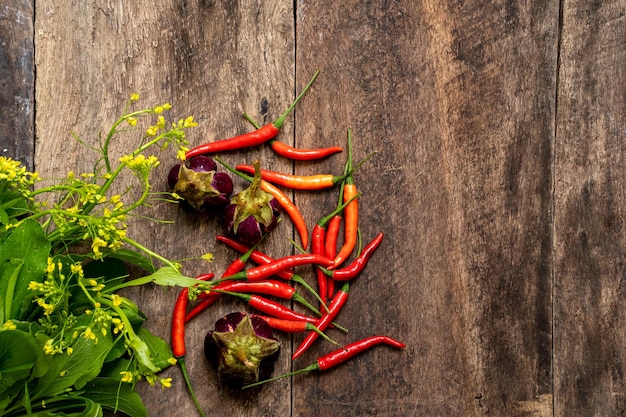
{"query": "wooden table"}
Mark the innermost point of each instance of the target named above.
(499, 180)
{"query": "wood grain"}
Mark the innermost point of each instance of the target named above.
(17, 82)
(589, 298)
(497, 130)
(460, 184)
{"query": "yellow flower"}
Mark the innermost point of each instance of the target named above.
(208, 257)
(166, 382)
(189, 122)
(132, 121)
(172, 361)
(134, 97)
(127, 376)
(182, 153)
(9, 325)
(89, 334)
(117, 300)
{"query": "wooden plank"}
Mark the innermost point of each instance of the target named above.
(590, 246)
(211, 60)
(457, 99)
(17, 81)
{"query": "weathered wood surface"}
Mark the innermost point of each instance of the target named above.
(498, 179)
(17, 81)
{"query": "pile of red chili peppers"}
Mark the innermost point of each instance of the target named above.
(265, 286)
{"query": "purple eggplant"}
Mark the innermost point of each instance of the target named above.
(242, 348)
(252, 212)
(200, 185)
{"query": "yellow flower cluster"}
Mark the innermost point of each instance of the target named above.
(17, 177)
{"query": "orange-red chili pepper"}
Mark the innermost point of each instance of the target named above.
(249, 139)
(295, 182)
(299, 154)
(358, 264)
(337, 303)
(350, 212)
(291, 209)
(338, 356)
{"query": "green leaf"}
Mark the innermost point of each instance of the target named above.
(18, 352)
(160, 351)
(69, 407)
(26, 245)
(133, 258)
(116, 396)
(73, 370)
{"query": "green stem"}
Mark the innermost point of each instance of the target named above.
(183, 369)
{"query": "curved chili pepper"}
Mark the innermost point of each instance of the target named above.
(294, 326)
(330, 248)
(296, 182)
(358, 264)
(339, 356)
(337, 303)
(282, 264)
(285, 202)
(249, 139)
(299, 154)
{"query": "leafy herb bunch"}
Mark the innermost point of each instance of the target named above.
(70, 344)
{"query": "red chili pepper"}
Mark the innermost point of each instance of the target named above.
(249, 139)
(339, 356)
(330, 249)
(178, 324)
(337, 303)
(178, 337)
(261, 258)
(296, 182)
(299, 154)
(283, 199)
(277, 289)
(265, 271)
(257, 257)
(207, 300)
(272, 308)
(294, 326)
(317, 247)
(358, 264)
